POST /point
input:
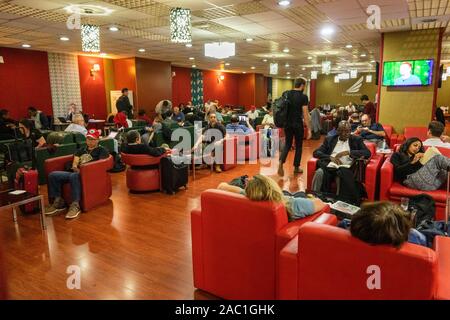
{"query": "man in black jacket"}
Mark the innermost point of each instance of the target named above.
(123, 104)
(336, 156)
(135, 146)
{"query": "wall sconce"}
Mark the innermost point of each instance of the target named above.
(220, 78)
(95, 68)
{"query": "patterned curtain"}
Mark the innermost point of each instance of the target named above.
(197, 87)
(64, 82)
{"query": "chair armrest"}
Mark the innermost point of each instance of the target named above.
(442, 249)
(287, 281)
(327, 218)
(56, 164)
(386, 179)
(371, 176)
(197, 248)
(310, 170)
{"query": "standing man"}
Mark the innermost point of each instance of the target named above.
(369, 107)
(123, 104)
(297, 114)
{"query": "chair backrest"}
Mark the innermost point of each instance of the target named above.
(332, 264)
(388, 129)
(372, 148)
(43, 154)
(139, 160)
(419, 132)
(239, 244)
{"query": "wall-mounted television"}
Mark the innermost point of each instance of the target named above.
(408, 73)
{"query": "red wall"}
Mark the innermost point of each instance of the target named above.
(24, 82)
(246, 93)
(125, 75)
(260, 90)
(312, 93)
(181, 85)
(93, 95)
(226, 91)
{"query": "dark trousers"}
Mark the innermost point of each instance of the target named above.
(290, 133)
(57, 179)
(348, 190)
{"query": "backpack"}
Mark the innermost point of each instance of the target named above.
(280, 110)
(425, 205)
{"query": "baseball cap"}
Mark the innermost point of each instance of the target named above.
(93, 134)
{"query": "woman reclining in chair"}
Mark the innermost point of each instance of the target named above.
(412, 173)
(262, 188)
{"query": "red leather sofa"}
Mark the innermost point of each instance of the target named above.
(140, 178)
(389, 130)
(96, 186)
(236, 242)
(326, 262)
(371, 176)
(392, 190)
(410, 132)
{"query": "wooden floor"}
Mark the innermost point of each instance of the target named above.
(137, 246)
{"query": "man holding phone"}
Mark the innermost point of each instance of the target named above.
(235, 127)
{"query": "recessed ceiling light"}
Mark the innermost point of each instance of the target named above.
(303, 69)
(113, 29)
(64, 38)
(288, 77)
(288, 73)
(253, 68)
(373, 61)
(189, 45)
(349, 46)
(249, 39)
(227, 64)
(301, 74)
(363, 55)
(103, 54)
(264, 60)
(286, 50)
(284, 3)
(194, 66)
(191, 58)
(309, 58)
(327, 31)
(244, 72)
(141, 50)
(25, 45)
(287, 65)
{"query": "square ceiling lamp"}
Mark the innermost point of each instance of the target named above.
(314, 74)
(369, 78)
(326, 67)
(353, 73)
(336, 79)
(90, 38)
(180, 25)
(273, 68)
(220, 50)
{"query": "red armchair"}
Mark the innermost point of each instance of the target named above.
(371, 176)
(392, 190)
(326, 262)
(388, 129)
(236, 242)
(409, 132)
(96, 186)
(140, 178)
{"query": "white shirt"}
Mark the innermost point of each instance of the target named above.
(76, 128)
(252, 115)
(436, 142)
(340, 147)
(268, 119)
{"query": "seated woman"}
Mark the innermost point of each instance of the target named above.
(409, 171)
(28, 132)
(383, 223)
(262, 188)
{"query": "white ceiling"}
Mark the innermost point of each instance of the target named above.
(145, 24)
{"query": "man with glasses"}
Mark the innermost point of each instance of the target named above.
(371, 131)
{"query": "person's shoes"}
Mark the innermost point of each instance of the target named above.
(57, 206)
(280, 170)
(217, 168)
(297, 170)
(74, 211)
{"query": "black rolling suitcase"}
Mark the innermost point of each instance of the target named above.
(174, 174)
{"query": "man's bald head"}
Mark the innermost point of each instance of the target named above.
(344, 130)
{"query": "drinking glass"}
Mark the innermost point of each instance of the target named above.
(404, 202)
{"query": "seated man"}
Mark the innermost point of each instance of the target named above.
(56, 179)
(336, 156)
(435, 131)
(40, 119)
(121, 120)
(177, 115)
(143, 116)
(236, 127)
(208, 136)
(252, 114)
(77, 125)
(7, 126)
(371, 131)
(135, 146)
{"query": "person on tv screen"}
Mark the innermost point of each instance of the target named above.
(407, 78)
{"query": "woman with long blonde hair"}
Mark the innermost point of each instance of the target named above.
(262, 188)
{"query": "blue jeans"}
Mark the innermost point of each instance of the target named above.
(57, 179)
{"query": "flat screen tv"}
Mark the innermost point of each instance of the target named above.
(408, 73)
